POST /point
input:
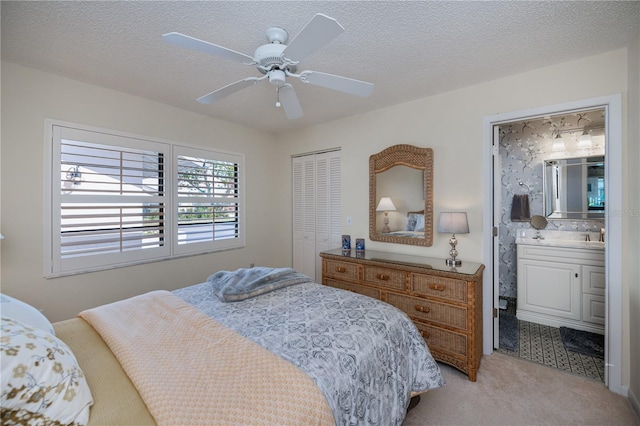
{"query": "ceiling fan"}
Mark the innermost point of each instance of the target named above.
(277, 61)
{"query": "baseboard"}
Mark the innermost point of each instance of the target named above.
(633, 399)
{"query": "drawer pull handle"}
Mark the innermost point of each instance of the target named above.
(437, 287)
(424, 309)
(382, 277)
(341, 269)
(425, 334)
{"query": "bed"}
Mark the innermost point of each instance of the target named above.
(253, 346)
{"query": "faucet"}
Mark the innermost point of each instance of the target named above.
(587, 237)
(538, 236)
(601, 239)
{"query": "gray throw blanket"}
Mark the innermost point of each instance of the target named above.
(231, 286)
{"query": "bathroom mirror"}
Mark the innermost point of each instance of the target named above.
(403, 173)
(573, 188)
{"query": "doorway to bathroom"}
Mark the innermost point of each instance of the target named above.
(517, 145)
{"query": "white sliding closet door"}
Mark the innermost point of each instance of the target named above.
(316, 210)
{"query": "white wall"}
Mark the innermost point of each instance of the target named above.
(30, 96)
(451, 124)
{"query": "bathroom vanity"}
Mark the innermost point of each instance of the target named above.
(561, 282)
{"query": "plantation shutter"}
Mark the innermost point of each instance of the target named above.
(111, 196)
(208, 200)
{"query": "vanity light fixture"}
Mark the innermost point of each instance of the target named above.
(454, 223)
(584, 141)
(558, 143)
(385, 205)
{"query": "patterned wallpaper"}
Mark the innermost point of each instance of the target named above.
(523, 148)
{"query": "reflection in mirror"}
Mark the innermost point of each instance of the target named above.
(574, 188)
(404, 186)
(402, 173)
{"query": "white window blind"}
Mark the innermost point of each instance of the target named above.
(118, 200)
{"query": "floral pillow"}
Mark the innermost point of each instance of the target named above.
(42, 382)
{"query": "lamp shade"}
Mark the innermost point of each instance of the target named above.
(453, 223)
(558, 143)
(385, 204)
(584, 141)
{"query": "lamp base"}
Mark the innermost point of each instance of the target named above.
(453, 262)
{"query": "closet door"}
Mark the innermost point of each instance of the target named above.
(316, 210)
(328, 206)
(304, 219)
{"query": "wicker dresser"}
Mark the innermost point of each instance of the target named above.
(444, 302)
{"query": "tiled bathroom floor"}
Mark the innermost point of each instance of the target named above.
(543, 344)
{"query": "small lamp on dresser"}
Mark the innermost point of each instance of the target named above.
(385, 205)
(453, 223)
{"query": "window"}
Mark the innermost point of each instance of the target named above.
(118, 200)
(207, 204)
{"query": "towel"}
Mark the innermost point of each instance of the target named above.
(520, 208)
(231, 286)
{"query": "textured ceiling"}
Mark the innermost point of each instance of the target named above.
(408, 49)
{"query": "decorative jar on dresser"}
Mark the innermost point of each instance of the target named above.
(444, 302)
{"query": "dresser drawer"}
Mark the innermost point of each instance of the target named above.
(444, 340)
(430, 310)
(360, 289)
(445, 288)
(341, 270)
(385, 277)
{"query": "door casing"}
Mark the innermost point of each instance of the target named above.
(613, 225)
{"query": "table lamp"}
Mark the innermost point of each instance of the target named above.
(454, 223)
(385, 205)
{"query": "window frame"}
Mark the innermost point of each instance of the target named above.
(55, 265)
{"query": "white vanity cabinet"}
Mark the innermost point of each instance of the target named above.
(561, 286)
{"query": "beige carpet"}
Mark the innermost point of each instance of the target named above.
(512, 391)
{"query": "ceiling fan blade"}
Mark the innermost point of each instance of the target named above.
(289, 101)
(230, 89)
(336, 82)
(204, 46)
(318, 32)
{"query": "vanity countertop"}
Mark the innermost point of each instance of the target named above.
(560, 242)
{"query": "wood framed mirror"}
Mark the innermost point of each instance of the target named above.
(404, 174)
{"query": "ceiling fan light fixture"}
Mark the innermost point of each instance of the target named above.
(277, 77)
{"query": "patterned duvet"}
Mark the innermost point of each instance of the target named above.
(366, 356)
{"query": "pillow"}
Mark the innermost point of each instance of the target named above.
(25, 313)
(42, 382)
(419, 223)
(411, 222)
